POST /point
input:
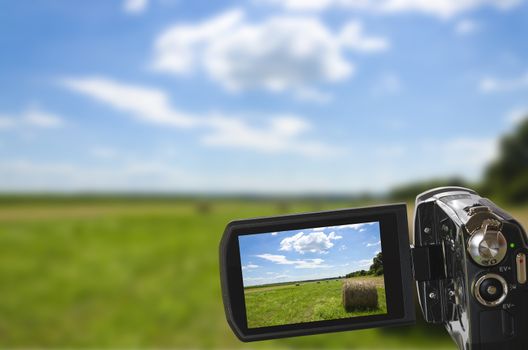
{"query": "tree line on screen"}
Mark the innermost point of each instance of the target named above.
(376, 269)
(505, 179)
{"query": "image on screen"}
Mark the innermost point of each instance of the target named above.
(314, 274)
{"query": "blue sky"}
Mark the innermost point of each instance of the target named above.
(259, 96)
(308, 254)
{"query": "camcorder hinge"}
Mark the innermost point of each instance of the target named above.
(428, 263)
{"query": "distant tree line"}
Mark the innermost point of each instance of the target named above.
(376, 269)
(505, 179)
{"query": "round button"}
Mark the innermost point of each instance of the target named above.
(487, 248)
(490, 289)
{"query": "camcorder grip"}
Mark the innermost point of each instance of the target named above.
(354, 268)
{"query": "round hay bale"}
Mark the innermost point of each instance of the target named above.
(359, 296)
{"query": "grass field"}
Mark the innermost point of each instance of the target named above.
(117, 273)
(305, 302)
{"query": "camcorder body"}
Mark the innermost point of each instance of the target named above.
(469, 260)
(355, 268)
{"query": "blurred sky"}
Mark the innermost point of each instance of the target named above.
(264, 96)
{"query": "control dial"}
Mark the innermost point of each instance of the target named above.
(487, 245)
(490, 289)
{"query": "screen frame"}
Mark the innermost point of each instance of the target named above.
(397, 270)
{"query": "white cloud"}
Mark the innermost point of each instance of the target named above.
(280, 53)
(280, 134)
(135, 7)
(274, 233)
(250, 266)
(298, 264)
(31, 118)
(373, 244)
(313, 242)
(41, 119)
(437, 8)
(145, 103)
(466, 27)
(491, 84)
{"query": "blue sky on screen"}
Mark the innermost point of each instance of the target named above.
(256, 96)
(308, 254)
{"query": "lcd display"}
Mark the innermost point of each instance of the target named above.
(312, 274)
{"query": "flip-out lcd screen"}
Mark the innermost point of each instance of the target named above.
(317, 272)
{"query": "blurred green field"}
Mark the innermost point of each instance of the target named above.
(140, 273)
(303, 302)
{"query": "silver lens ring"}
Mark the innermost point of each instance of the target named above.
(476, 289)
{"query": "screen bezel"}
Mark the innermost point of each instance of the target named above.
(397, 270)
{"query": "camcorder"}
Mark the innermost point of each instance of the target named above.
(355, 268)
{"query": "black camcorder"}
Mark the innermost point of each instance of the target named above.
(354, 268)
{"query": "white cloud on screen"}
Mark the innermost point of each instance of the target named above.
(135, 7)
(250, 266)
(282, 52)
(373, 244)
(437, 8)
(298, 263)
(313, 242)
(280, 134)
(362, 264)
(494, 84)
